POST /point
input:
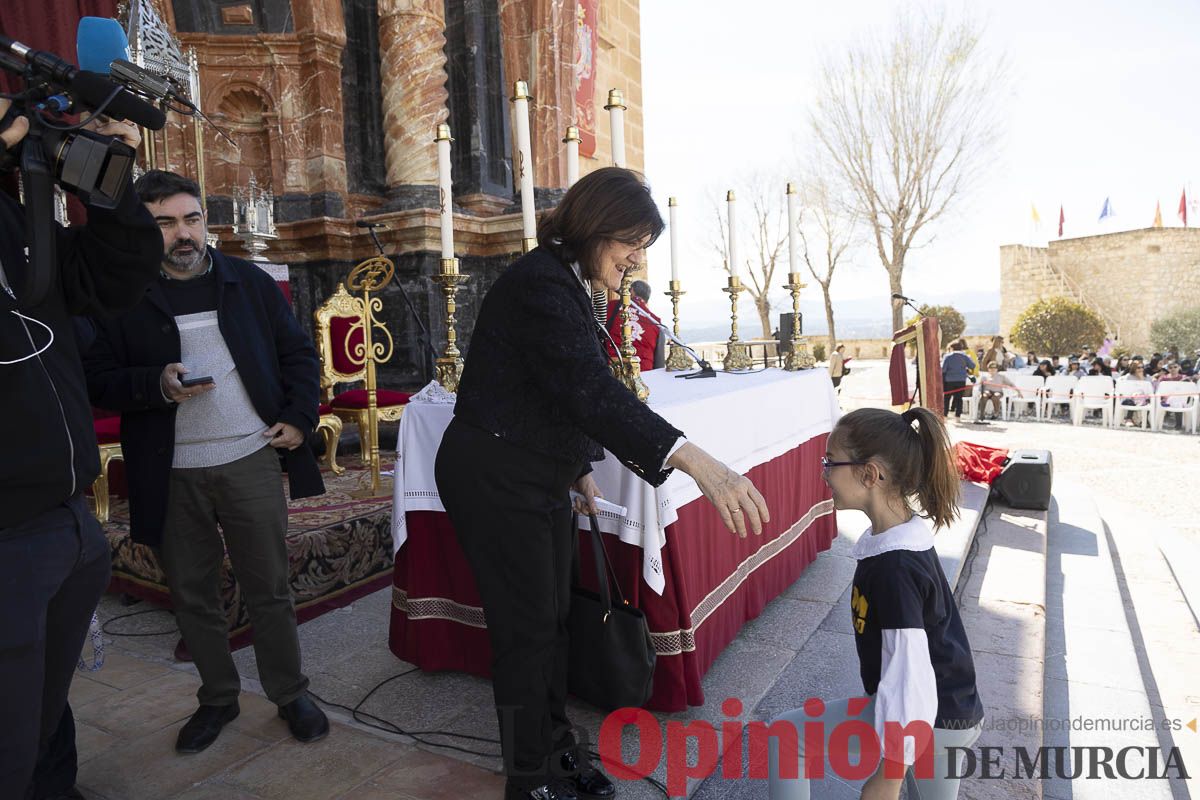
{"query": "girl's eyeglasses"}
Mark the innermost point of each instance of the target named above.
(827, 464)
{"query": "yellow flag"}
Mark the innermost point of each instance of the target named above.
(1158, 214)
(1037, 219)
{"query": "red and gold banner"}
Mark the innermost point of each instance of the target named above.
(587, 15)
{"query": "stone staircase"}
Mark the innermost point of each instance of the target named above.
(1050, 276)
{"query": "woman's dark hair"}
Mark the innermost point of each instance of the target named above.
(919, 463)
(610, 204)
(158, 184)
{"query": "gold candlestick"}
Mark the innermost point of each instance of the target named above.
(799, 357)
(628, 367)
(369, 277)
(678, 359)
(736, 356)
(450, 364)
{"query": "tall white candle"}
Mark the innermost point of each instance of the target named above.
(445, 199)
(524, 165)
(572, 143)
(616, 121)
(793, 209)
(731, 202)
(674, 225)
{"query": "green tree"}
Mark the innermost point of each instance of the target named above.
(1180, 330)
(950, 320)
(1057, 325)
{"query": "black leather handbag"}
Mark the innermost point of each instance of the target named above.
(612, 656)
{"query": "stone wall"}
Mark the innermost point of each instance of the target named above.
(1130, 278)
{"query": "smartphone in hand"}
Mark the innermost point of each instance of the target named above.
(187, 383)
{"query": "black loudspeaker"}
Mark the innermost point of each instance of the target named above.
(1026, 480)
(786, 321)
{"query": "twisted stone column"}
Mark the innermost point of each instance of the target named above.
(413, 72)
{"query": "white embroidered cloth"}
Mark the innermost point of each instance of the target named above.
(743, 420)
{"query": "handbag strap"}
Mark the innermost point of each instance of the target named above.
(604, 567)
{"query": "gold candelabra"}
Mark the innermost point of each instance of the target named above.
(798, 356)
(678, 359)
(450, 364)
(627, 366)
(736, 356)
(367, 277)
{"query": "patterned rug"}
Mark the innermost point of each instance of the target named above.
(339, 549)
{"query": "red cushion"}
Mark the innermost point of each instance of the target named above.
(323, 409)
(357, 398)
(339, 331)
(108, 430)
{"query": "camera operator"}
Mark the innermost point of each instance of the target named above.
(54, 559)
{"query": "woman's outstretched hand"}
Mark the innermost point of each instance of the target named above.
(733, 495)
(586, 486)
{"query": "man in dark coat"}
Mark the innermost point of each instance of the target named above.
(212, 375)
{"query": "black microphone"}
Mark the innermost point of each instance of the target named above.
(706, 369)
(92, 89)
(89, 88)
(897, 296)
(365, 223)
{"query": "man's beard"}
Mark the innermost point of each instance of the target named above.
(187, 261)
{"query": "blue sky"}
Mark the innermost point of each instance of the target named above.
(1103, 103)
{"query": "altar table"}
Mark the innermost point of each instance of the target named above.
(673, 557)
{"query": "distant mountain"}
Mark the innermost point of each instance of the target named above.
(979, 323)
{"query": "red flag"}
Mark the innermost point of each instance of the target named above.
(1183, 207)
(1061, 219)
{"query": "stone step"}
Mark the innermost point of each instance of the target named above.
(1100, 688)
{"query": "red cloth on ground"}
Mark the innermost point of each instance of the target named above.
(898, 376)
(645, 335)
(977, 462)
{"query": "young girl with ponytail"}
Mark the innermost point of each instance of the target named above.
(914, 657)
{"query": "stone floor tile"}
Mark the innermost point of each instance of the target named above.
(85, 690)
(420, 775)
(149, 768)
(122, 672)
(146, 707)
(321, 770)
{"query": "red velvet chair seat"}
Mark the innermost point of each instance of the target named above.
(357, 398)
(108, 430)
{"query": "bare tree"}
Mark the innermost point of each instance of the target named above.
(767, 227)
(827, 228)
(909, 123)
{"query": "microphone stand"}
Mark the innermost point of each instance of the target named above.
(424, 341)
(706, 370)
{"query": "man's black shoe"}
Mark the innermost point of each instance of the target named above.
(586, 779)
(305, 720)
(558, 789)
(201, 730)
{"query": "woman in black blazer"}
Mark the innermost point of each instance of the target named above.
(536, 403)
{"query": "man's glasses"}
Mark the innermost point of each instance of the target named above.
(827, 464)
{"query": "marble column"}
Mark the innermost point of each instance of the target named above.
(411, 44)
(539, 46)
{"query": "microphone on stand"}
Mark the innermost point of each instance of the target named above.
(706, 370)
(908, 301)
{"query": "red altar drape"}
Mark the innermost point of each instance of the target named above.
(715, 582)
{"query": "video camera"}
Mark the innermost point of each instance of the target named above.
(95, 168)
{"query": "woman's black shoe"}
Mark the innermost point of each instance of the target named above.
(558, 789)
(305, 720)
(202, 729)
(587, 780)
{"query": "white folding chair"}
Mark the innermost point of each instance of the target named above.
(1176, 397)
(1057, 393)
(970, 401)
(1093, 392)
(1027, 391)
(1142, 395)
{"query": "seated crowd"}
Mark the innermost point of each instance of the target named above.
(988, 378)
